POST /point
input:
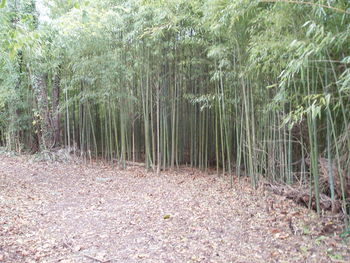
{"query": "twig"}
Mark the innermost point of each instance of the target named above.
(87, 255)
(99, 260)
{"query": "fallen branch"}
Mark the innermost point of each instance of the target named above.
(130, 163)
(302, 196)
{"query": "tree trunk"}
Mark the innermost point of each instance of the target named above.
(40, 92)
(55, 109)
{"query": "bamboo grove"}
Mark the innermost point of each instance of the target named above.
(249, 87)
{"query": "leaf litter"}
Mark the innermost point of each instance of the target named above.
(59, 212)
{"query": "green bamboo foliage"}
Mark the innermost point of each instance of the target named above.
(252, 88)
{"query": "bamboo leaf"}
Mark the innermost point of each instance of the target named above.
(2, 3)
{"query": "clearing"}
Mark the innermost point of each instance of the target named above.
(58, 212)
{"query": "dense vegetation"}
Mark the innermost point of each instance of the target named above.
(254, 87)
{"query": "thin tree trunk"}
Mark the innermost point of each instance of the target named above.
(55, 109)
(40, 91)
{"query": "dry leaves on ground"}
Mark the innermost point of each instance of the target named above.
(54, 212)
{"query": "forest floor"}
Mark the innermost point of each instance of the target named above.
(72, 212)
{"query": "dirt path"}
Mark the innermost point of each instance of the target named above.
(76, 213)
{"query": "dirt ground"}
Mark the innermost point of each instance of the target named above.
(58, 212)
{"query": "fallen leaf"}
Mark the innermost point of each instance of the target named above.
(77, 248)
(142, 255)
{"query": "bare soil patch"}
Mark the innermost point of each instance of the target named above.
(56, 212)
